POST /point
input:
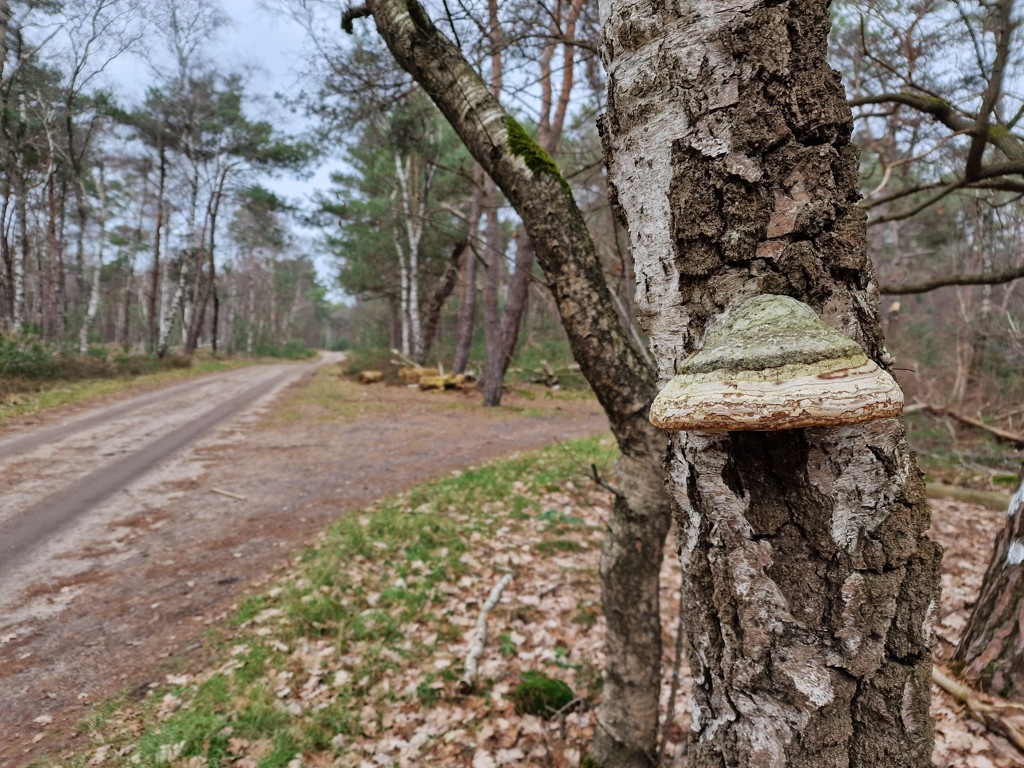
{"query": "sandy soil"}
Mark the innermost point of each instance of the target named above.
(96, 599)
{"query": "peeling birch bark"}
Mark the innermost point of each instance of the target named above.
(810, 581)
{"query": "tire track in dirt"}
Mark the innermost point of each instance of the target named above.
(21, 535)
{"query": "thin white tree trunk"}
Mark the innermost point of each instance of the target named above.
(94, 290)
(21, 227)
(403, 288)
(413, 206)
(171, 309)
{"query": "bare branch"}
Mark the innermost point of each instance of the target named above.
(924, 286)
(927, 203)
(352, 13)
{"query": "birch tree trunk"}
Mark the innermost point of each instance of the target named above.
(21, 221)
(810, 583)
(403, 287)
(170, 308)
(991, 651)
(413, 193)
(94, 289)
(631, 557)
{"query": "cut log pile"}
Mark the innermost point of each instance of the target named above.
(370, 377)
(424, 378)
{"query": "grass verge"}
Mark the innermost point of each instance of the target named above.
(54, 393)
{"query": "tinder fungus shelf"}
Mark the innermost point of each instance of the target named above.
(770, 363)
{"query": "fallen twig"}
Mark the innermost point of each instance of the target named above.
(999, 434)
(467, 682)
(228, 494)
(989, 715)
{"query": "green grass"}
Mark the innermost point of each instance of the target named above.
(329, 398)
(40, 395)
(371, 590)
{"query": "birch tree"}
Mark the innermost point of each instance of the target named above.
(530, 180)
(810, 582)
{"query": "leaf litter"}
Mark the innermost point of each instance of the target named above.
(351, 658)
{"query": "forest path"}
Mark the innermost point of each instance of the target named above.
(128, 528)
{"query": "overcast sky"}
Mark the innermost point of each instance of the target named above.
(269, 46)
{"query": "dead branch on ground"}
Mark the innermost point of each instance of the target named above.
(999, 434)
(989, 715)
(476, 648)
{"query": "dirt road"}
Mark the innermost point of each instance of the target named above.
(127, 529)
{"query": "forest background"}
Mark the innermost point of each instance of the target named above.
(145, 224)
(137, 226)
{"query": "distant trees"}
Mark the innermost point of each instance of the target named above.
(395, 219)
(539, 60)
(83, 176)
(943, 177)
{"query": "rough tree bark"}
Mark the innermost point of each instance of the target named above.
(631, 558)
(810, 583)
(991, 652)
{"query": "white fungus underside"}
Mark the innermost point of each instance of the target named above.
(712, 402)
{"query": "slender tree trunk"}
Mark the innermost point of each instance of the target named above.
(7, 258)
(491, 380)
(403, 283)
(94, 291)
(494, 246)
(209, 285)
(394, 321)
(21, 259)
(155, 305)
(123, 334)
(215, 321)
(441, 293)
(516, 303)
(991, 651)
(250, 323)
(413, 192)
(631, 558)
(467, 302)
(50, 274)
(170, 309)
(810, 583)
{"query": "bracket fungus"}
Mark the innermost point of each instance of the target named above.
(770, 363)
